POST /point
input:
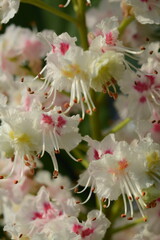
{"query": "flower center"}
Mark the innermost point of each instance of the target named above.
(71, 71)
(23, 138)
(122, 165)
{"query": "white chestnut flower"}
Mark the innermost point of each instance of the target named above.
(146, 11)
(8, 8)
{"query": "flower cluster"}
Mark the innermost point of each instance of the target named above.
(50, 87)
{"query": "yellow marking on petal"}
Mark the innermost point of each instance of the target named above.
(71, 71)
(23, 138)
(11, 134)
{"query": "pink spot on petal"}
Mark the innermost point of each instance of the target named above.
(96, 154)
(53, 48)
(47, 119)
(87, 232)
(156, 127)
(144, 86)
(64, 47)
(140, 86)
(142, 99)
(151, 79)
(47, 206)
(37, 215)
(60, 213)
(27, 103)
(76, 228)
(108, 152)
(61, 122)
(110, 40)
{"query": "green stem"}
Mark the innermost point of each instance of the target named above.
(95, 125)
(119, 126)
(43, 5)
(81, 23)
(119, 229)
(125, 22)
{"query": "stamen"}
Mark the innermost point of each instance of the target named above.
(71, 156)
(44, 86)
(153, 97)
(43, 144)
(108, 204)
(55, 174)
(76, 186)
(55, 164)
(40, 72)
(127, 190)
(15, 163)
(87, 184)
(141, 210)
(124, 201)
(78, 94)
(129, 197)
(54, 139)
(143, 48)
(64, 5)
(100, 208)
(50, 92)
(89, 196)
(88, 3)
(76, 190)
(143, 194)
(66, 105)
(87, 96)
